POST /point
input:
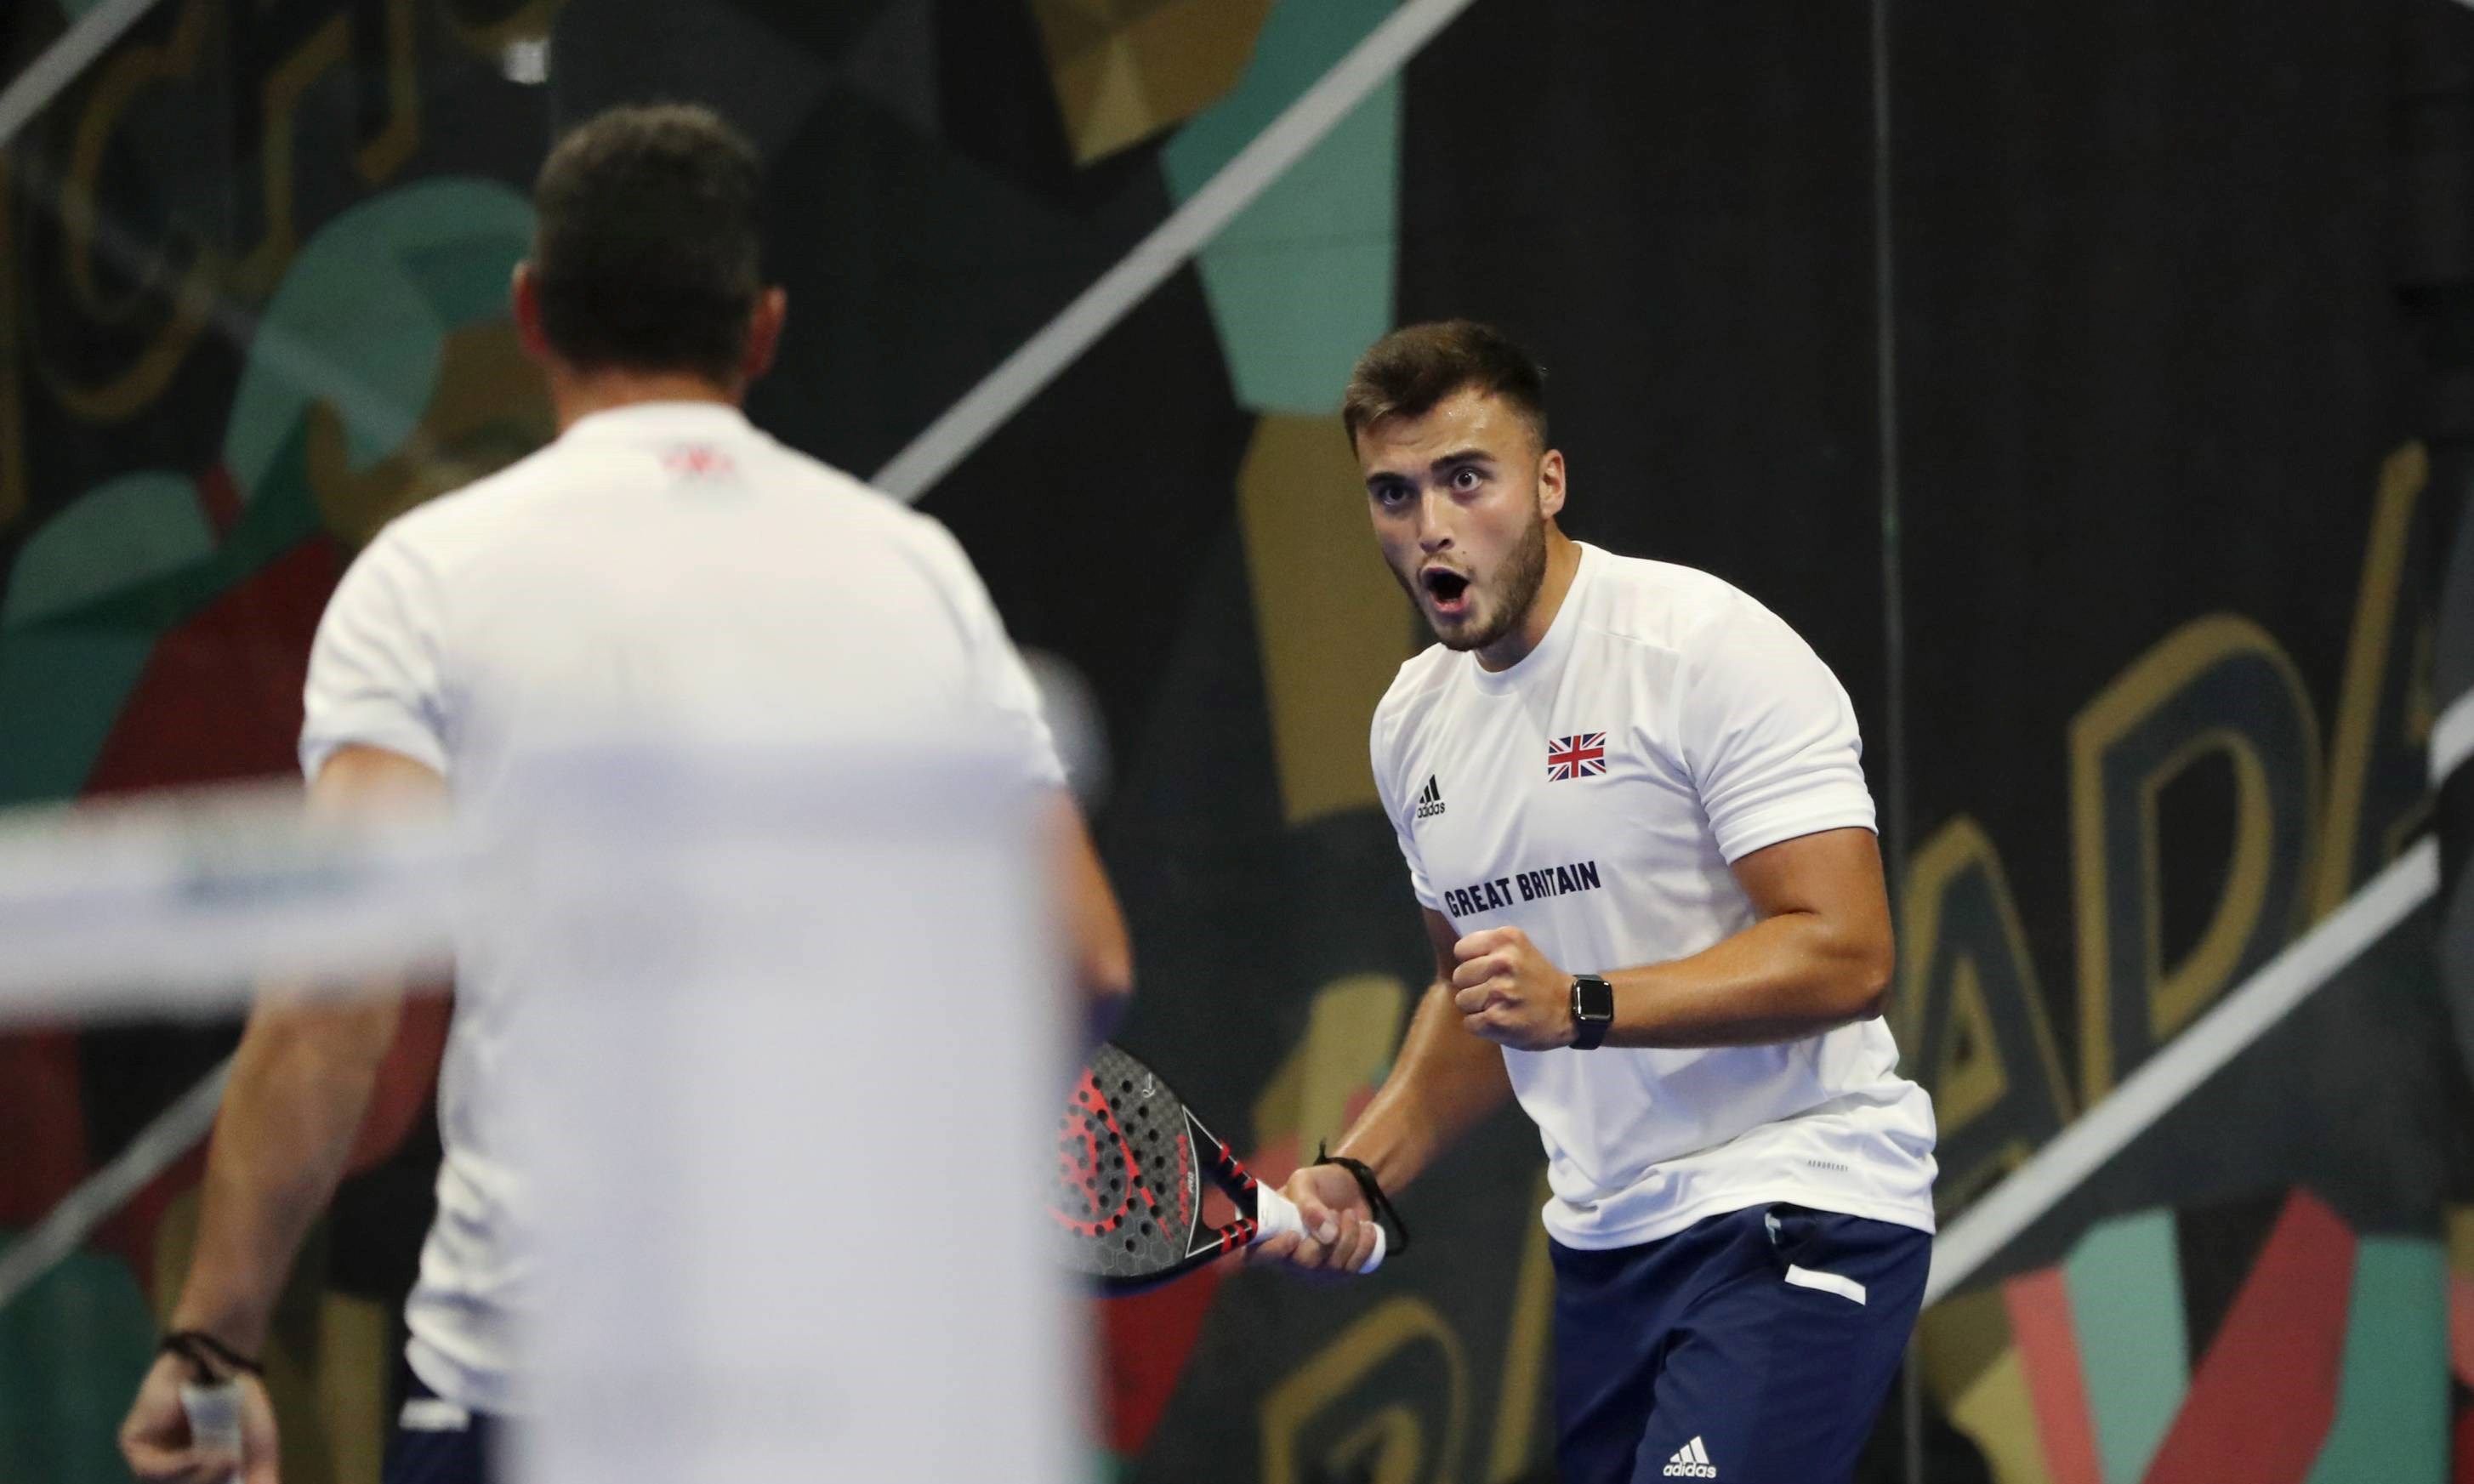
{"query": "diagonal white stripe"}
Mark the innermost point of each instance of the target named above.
(986, 407)
(156, 1148)
(2451, 738)
(2166, 1078)
(61, 63)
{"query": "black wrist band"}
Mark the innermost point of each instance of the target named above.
(1380, 1203)
(212, 1360)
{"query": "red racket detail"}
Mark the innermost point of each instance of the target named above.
(1128, 1196)
(1093, 1151)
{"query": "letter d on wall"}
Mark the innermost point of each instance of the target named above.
(2219, 688)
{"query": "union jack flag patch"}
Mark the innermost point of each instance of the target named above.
(1576, 757)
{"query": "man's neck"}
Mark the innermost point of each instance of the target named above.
(578, 395)
(1562, 564)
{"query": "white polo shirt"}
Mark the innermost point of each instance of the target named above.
(664, 571)
(1593, 795)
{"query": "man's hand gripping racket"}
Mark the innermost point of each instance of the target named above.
(201, 1417)
(1131, 1162)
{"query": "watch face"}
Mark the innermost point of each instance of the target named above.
(1596, 998)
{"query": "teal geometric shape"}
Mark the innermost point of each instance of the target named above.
(2126, 1285)
(120, 533)
(72, 1350)
(2393, 1401)
(62, 689)
(283, 516)
(67, 675)
(1300, 282)
(358, 319)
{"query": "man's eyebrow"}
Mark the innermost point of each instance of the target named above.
(1462, 456)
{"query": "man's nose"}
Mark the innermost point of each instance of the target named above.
(1434, 529)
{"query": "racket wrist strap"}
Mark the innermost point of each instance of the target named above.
(1375, 1200)
(211, 1360)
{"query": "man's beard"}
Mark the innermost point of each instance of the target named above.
(1523, 573)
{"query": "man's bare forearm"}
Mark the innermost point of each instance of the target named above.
(1102, 957)
(300, 1082)
(1781, 979)
(1444, 1084)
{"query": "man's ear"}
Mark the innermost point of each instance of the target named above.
(763, 334)
(1550, 483)
(524, 297)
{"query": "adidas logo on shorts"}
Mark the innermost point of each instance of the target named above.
(1691, 1461)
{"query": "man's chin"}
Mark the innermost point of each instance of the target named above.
(1462, 634)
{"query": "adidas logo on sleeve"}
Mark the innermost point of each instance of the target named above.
(1691, 1461)
(1430, 800)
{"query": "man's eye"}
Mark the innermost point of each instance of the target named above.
(1466, 479)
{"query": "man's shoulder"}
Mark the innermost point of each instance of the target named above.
(550, 483)
(1662, 604)
(868, 511)
(471, 510)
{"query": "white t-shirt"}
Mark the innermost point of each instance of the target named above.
(662, 571)
(1593, 795)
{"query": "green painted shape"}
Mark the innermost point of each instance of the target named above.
(2392, 1398)
(62, 689)
(121, 533)
(72, 1350)
(283, 517)
(64, 680)
(2126, 1285)
(470, 280)
(1301, 282)
(359, 317)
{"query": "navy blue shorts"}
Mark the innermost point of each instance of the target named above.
(1754, 1347)
(437, 1441)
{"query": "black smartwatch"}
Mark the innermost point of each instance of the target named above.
(1593, 1010)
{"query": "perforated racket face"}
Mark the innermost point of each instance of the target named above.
(1127, 1192)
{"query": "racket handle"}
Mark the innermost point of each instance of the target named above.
(1276, 1214)
(214, 1418)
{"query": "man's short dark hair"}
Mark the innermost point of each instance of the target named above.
(1407, 371)
(647, 255)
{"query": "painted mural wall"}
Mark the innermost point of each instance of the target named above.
(2141, 622)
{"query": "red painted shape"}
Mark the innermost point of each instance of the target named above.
(42, 1125)
(2261, 1403)
(220, 698)
(2039, 1305)
(220, 498)
(2460, 1327)
(1145, 1341)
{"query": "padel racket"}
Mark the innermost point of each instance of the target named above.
(1131, 1162)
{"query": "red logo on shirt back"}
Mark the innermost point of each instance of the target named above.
(698, 461)
(1576, 757)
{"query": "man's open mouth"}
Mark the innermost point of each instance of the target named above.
(1446, 589)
